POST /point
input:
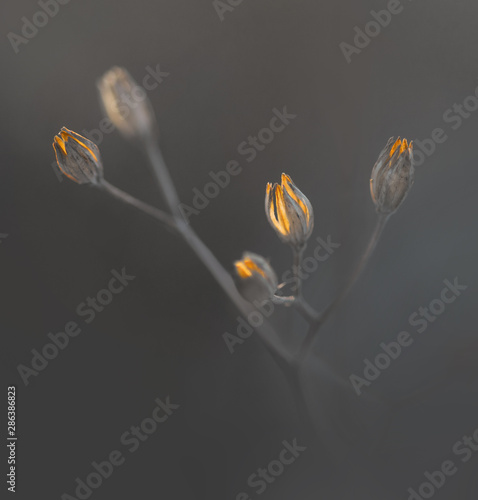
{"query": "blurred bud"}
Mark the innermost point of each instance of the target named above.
(392, 176)
(78, 158)
(257, 279)
(289, 212)
(126, 104)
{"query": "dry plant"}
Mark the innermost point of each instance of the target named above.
(288, 210)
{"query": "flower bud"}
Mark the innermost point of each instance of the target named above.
(257, 279)
(289, 212)
(392, 176)
(126, 104)
(77, 157)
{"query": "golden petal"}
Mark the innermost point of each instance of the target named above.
(66, 135)
(60, 143)
(286, 183)
(395, 146)
(253, 267)
(281, 210)
(404, 146)
(273, 218)
(242, 269)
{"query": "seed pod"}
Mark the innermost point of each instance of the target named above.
(392, 176)
(289, 212)
(257, 279)
(126, 104)
(77, 157)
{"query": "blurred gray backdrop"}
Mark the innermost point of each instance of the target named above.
(164, 334)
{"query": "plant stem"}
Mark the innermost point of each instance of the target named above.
(162, 217)
(297, 256)
(267, 333)
(316, 325)
(224, 279)
(162, 176)
(305, 309)
(285, 361)
(298, 301)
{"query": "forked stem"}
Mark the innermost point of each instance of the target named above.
(165, 219)
(267, 333)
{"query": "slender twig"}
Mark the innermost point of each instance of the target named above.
(165, 219)
(317, 324)
(289, 365)
(297, 300)
(300, 304)
(297, 264)
(162, 176)
(266, 332)
(224, 279)
(306, 310)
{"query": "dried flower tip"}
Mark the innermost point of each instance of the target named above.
(126, 104)
(78, 158)
(392, 176)
(257, 279)
(289, 212)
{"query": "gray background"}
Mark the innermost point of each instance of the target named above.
(163, 335)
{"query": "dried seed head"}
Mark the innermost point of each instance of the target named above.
(289, 212)
(126, 104)
(77, 157)
(392, 175)
(257, 279)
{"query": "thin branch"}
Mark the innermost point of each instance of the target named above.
(306, 310)
(163, 178)
(297, 255)
(165, 219)
(266, 332)
(317, 324)
(224, 279)
(285, 361)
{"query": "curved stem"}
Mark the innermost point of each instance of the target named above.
(163, 178)
(267, 333)
(297, 255)
(316, 325)
(162, 217)
(300, 304)
(285, 361)
(224, 279)
(305, 309)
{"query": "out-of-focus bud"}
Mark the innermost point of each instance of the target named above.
(257, 280)
(289, 212)
(126, 104)
(392, 175)
(78, 158)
